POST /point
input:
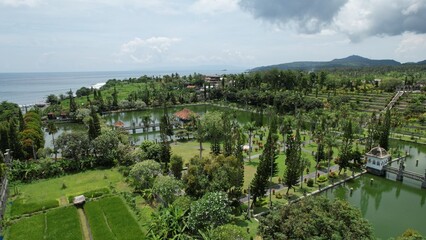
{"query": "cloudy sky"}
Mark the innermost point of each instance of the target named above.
(90, 35)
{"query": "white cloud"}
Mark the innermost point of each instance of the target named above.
(147, 50)
(19, 3)
(214, 6)
(159, 44)
(412, 45)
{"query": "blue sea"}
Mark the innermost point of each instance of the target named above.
(32, 88)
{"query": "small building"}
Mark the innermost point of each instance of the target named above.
(377, 159)
(213, 80)
(51, 116)
(119, 124)
(184, 115)
(79, 200)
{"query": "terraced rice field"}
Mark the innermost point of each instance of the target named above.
(60, 223)
(109, 218)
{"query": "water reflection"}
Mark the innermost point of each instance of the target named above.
(390, 206)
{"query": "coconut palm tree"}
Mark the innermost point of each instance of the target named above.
(250, 127)
(146, 120)
(330, 142)
(52, 129)
(200, 135)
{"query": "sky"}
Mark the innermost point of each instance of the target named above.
(119, 35)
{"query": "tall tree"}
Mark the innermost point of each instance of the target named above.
(21, 121)
(293, 161)
(115, 98)
(176, 166)
(228, 140)
(285, 129)
(239, 139)
(73, 104)
(4, 137)
(315, 218)
(385, 130)
(267, 165)
(250, 127)
(200, 135)
(94, 124)
(15, 144)
(52, 129)
(346, 146)
(214, 130)
(371, 132)
(211, 210)
(166, 129)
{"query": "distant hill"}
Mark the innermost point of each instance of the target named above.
(351, 61)
(422, 62)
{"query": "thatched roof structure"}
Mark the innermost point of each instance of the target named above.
(119, 124)
(184, 114)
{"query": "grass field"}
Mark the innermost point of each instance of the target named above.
(109, 218)
(189, 149)
(61, 223)
(74, 184)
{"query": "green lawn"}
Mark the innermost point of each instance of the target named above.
(45, 190)
(61, 223)
(50, 193)
(109, 218)
(189, 149)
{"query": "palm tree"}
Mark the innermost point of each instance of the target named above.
(148, 195)
(285, 129)
(52, 129)
(146, 120)
(319, 134)
(250, 127)
(200, 135)
(330, 142)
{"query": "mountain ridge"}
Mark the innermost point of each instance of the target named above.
(353, 61)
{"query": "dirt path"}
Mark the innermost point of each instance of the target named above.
(84, 224)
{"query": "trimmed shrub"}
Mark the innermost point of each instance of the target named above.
(278, 196)
(310, 182)
(332, 175)
(322, 178)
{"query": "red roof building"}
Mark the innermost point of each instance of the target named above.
(184, 114)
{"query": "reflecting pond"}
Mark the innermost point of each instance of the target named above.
(135, 117)
(390, 206)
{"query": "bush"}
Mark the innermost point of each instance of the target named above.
(310, 182)
(332, 175)
(322, 178)
(278, 196)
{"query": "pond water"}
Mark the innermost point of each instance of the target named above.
(390, 206)
(135, 117)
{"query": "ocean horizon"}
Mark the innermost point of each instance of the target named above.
(31, 88)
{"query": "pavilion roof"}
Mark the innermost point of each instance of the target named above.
(184, 114)
(119, 124)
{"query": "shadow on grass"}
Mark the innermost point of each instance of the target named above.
(252, 163)
(240, 222)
